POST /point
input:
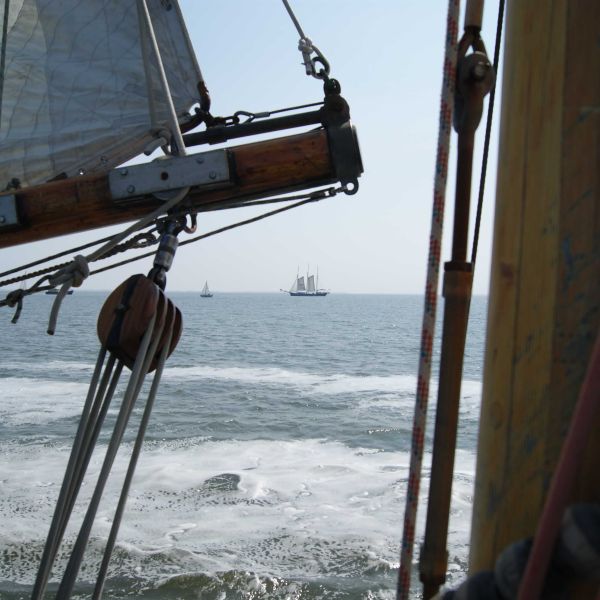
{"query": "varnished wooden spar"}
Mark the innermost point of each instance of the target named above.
(260, 169)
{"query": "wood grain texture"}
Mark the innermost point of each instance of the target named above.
(545, 284)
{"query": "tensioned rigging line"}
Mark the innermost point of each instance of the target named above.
(488, 131)
(119, 248)
(326, 194)
(305, 199)
(3, 52)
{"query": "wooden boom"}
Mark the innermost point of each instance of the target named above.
(258, 170)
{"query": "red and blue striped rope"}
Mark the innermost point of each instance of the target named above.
(429, 313)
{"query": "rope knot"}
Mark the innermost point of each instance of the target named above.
(15, 297)
(76, 272)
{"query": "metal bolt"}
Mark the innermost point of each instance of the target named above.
(131, 189)
(213, 174)
(479, 71)
(124, 172)
(199, 159)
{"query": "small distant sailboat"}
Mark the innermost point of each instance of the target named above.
(206, 293)
(310, 289)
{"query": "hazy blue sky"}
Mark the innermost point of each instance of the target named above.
(387, 54)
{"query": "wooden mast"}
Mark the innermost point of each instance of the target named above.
(544, 310)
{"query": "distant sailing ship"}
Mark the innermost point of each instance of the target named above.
(310, 289)
(206, 293)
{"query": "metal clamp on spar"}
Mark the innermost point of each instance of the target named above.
(8, 211)
(165, 177)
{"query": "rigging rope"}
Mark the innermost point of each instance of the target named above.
(430, 305)
(307, 48)
(122, 318)
(488, 131)
(142, 240)
(69, 274)
(15, 297)
(3, 53)
(314, 197)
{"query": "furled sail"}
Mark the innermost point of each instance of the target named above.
(310, 284)
(74, 96)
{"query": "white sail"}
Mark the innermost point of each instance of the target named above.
(300, 285)
(310, 284)
(74, 96)
(205, 291)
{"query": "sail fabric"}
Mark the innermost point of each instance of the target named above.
(75, 95)
(310, 284)
(300, 285)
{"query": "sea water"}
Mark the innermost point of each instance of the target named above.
(276, 459)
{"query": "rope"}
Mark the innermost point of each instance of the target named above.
(77, 268)
(177, 145)
(142, 240)
(140, 368)
(71, 483)
(314, 197)
(488, 132)
(135, 454)
(294, 19)
(72, 275)
(563, 480)
(306, 47)
(430, 306)
(3, 53)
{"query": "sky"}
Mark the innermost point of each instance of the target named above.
(387, 55)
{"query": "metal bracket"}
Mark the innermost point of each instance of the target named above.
(207, 169)
(345, 154)
(8, 211)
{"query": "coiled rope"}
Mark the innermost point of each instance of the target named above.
(430, 305)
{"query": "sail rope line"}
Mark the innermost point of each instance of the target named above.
(160, 334)
(141, 240)
(488, 132)
(307, 48)
(3, 53)
(430, 303)
(149, 36)
(11, 298)
(314, 197)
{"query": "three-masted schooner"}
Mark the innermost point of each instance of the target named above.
(308, 289)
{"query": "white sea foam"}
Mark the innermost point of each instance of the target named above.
(35, 401)
(289, 508)
(317, 383)
(57, 366)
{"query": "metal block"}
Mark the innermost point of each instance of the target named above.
(170, 174)
(8, 211)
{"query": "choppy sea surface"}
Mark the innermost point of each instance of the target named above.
(275, 463)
